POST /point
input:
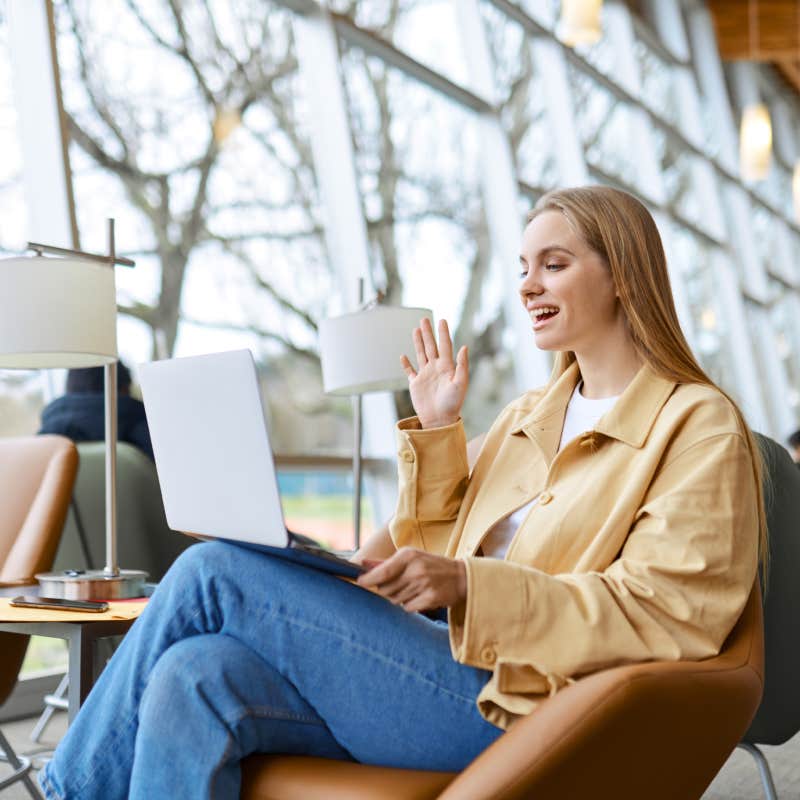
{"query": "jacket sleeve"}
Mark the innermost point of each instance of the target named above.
(677, 588)
(433, 477)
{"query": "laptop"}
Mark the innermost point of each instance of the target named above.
(214, 459)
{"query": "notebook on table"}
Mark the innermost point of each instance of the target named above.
(214, 459)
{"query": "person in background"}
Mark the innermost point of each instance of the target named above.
(794, 446)
(80, 413)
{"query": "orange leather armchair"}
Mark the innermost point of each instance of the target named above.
(658, 730)
(36, 478)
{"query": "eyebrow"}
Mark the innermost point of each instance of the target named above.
(547, 250)
(552, 247)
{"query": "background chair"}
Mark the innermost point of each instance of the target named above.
(144, 539)
(660, 730)
(36, 478)
(778, 716)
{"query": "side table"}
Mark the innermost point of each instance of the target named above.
(81, 637)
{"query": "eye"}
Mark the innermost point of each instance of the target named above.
(523, 274)
(554, 267)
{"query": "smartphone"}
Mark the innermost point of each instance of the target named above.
(59, 604)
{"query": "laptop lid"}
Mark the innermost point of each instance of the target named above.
(211, 447)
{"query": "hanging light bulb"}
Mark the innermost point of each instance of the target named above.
(708, 319)
(580, 22)
(755, 142)
(796, 190)
(755, 135)
(226, 121)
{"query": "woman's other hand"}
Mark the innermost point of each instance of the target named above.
(418, 581)
(439, 384)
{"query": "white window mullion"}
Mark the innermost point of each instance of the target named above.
(345, 227)
(499, 186)
(45, 168)
(619, 28)
(548, 59)
(746, 375)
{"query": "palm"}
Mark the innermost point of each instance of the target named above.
(439, 384)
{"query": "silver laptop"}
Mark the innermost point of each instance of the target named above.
(214, 460)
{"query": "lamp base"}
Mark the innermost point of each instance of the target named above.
(93, 584)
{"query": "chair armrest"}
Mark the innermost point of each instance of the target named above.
(659, 730)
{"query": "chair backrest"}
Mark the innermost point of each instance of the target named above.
(144, 540)
(36, 478)
(778, 716)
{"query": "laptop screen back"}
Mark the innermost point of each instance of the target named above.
(211, 447)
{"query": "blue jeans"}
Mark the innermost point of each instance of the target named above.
(237, 653)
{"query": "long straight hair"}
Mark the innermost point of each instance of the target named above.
(619, 228)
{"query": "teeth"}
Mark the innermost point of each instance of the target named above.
(537, 312)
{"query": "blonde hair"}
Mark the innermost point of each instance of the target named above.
(619, 228)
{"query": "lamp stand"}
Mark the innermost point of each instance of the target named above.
(357, 429)
(111, 582)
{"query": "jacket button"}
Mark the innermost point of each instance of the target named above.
(407, 455)
(545, 498)
(488, 655)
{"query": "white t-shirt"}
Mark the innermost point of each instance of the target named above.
(582, 415)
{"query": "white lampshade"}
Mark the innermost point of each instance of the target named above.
(580, 22)
(755, 142)
(57, 312)
(360, 352)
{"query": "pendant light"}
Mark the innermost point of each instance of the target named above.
(580, 22)
(755, 135)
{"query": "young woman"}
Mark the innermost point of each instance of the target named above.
(612, 516)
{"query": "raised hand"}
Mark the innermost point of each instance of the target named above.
(439, 384)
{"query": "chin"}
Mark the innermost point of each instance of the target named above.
(545, 342)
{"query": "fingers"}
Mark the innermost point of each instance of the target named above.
(387, 571)
(462, 365)
(407, 367)
(445, 343)
(419, 348)
(427, 350)
(429, 340)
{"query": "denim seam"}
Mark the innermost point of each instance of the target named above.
(357, 646)
(271, 713)
(47, 786)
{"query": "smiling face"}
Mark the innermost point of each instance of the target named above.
(567, 289)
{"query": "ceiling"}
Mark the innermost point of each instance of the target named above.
(760, 30)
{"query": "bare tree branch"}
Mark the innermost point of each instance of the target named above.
(260, 332)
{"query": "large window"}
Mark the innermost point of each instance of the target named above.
(521, 98)
(418, 161)
(188, 126)
(20, 392)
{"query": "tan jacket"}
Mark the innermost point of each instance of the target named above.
(643, 544)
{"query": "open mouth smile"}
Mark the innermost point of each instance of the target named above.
(541, 316)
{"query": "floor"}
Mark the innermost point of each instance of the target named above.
(738, 779)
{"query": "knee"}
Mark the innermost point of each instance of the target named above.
(186, 673)
(204, 559)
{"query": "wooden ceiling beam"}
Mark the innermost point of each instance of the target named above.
(775, 36)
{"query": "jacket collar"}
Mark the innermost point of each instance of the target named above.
(629, 420)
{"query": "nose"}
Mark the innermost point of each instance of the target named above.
(530, 287)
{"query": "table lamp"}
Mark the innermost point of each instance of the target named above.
(62, 312)
(360, 352)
